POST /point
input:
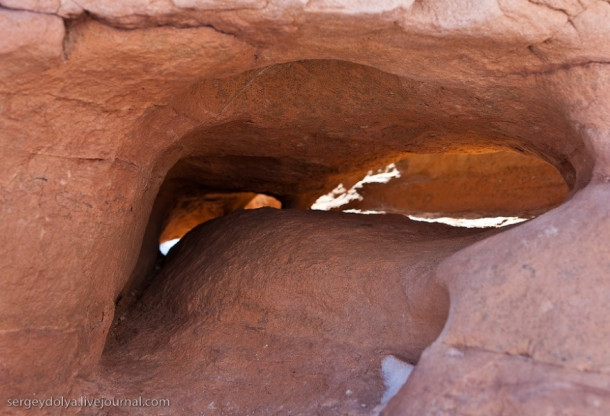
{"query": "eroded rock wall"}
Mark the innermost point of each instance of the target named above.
(98, 100)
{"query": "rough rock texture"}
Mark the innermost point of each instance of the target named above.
(103, 101)
(268, 311)
(557, 342)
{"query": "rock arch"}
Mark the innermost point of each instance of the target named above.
(99, 101)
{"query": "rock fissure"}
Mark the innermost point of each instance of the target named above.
(241, 91)
(524, 356)
(128, 123)
(18, 9)
(562, 67)
(551, 7)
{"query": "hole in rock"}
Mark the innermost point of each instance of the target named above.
(258, 304)
(481, 189)
(191, 210)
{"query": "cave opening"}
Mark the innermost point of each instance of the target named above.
(482, 189)
(197, 207)
(340, 137)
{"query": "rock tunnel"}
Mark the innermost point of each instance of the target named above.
(128, 125)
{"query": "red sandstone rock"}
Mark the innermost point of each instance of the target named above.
(94, 118)
(538, 346)
(271, 311)
(455, 185)
(29, 37)
(191, 210)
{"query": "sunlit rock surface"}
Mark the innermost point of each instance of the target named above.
(109, 109)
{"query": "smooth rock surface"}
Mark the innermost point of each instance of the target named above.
(191, 210)
(461, 184)
(271, 311)
(104, 102)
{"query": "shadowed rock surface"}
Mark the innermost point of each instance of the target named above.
(267, 311)
(109, 111)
